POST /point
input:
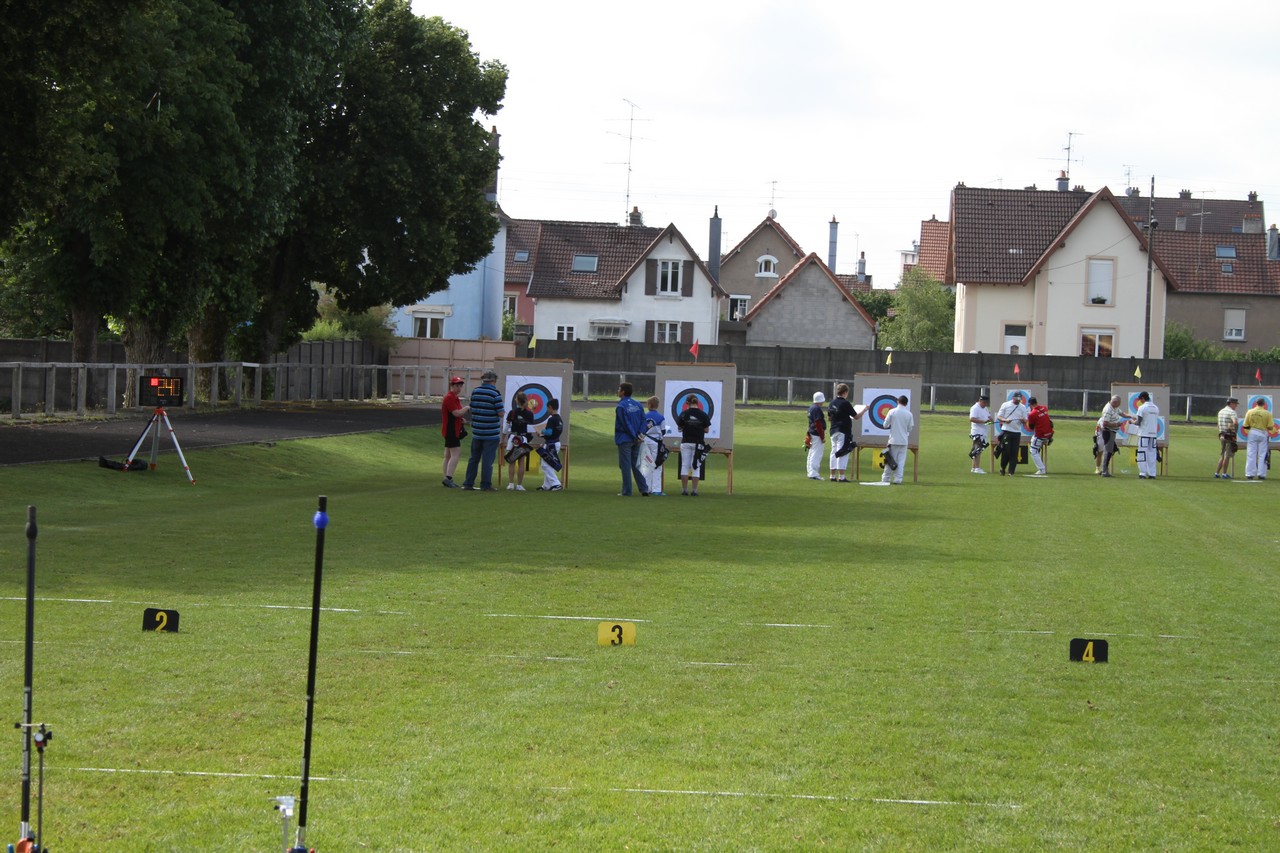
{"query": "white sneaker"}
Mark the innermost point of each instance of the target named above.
(977, 471)
(511, 487)
(519, 488)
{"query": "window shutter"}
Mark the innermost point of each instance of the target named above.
(650, 278)
(686, 333)
(686, 279)
(650, 330)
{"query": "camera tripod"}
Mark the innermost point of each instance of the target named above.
(154, 424)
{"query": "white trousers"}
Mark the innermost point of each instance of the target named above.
(813, 460)
(1147, 454)
(1255, 459)
(549, 476)
(841, 464)
(899, 454)
(1037, 444)
(648, 467)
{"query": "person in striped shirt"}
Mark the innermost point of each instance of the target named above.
(1228, 424)
(486, 431)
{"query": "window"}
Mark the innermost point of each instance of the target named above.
(564, 333)
(666, 333)
(738, 306)
(1233, 324)
(1012, 331)
(585, 263)
(1228, 252)
(428, 327)
(606, 332)
(669, 278)
(1097, 342)
(522, 256)
(1101, 281)
(509, 304)
(766, 266)
(1228, 269)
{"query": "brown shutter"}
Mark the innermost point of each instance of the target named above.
(686, 333)
(686, 279)
(650, 330)
(650, 278)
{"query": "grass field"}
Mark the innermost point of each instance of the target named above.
(816, 665)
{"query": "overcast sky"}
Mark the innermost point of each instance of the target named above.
(868, 112)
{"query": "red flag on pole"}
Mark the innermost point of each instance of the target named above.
(694, 349)
(1016, 371)
(1258, 376)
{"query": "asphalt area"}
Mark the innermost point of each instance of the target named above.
(27, 442)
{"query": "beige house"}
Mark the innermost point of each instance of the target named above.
(1053, 273)
(751, 269)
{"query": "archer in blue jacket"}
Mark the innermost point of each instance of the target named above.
(628, 434)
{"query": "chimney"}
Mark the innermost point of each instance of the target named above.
(1184, 194)
(713, 247)
(1273, 244)
(1253, 196)
(635, 218)
(862, 267)
(1180, 221)
(1133, 192)
(1252, 223)
(1063, 181)
(831, 245)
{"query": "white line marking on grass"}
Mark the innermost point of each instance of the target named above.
(1082, 633)
(1004, 631)
(537, 657)
(574, 618)
(208, 604)
(209, 773)
(784, 625)
(818, 797)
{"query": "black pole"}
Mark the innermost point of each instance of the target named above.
(25, 831)
(321, 521)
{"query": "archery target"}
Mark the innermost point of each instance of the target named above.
(538, 396)
(879, 408)
(708, 396)
(1130, 433)
(1026, 395)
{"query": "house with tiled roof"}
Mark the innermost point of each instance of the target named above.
(1228, 283)
(1052, 273)
(751, 268)
(810, 306)
(930, 253)
(601, 281)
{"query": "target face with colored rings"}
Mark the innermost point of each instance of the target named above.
(539, 396)
(879, 409)
(680, 401)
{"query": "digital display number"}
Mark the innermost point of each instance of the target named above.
(160, 390)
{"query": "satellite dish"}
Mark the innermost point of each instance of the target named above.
(773, 214)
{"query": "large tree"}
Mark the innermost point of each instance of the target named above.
(923, 315)
(395, 169)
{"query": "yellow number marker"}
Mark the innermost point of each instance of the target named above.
(616, 634)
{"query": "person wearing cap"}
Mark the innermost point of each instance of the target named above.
(1148, 418)
(1228, 428)
(1011, 416)
(814, 437)
(486, 431)
(1257, 427)
(979, 424)
(453, 419)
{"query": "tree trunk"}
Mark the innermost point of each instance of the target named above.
(207, 342)
(84, 346)
(143, 344)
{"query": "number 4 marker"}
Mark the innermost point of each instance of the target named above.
(1088, 651)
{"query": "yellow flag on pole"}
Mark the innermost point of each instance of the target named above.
(889, 359)
(1137, 371)
(533, 342)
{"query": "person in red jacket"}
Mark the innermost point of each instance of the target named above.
(1041, 426)
(453, 427)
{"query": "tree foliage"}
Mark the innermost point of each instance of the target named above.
(923, 315)
(197, 164)
(876, 302)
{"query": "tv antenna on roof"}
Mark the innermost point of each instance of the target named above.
(631, 136)
(1070, 134)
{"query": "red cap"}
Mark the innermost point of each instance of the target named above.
(456, 380)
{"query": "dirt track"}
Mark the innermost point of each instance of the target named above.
(24, 442)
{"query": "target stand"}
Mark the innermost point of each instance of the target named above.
(159, 391)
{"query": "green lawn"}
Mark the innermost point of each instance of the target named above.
(816, 665)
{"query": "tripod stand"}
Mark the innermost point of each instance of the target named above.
(154, 424)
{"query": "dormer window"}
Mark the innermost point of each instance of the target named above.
(1225, 252)
(522, 256)
(585, 263)
(766, 266)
